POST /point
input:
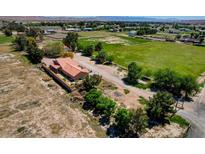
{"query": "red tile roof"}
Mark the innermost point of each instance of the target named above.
(70, 66)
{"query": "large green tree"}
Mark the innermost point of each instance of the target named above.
(71, 40)
(160, 107)
(189, 86)
(168, 80)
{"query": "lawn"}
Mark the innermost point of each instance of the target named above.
(5, 39)
(153, 55)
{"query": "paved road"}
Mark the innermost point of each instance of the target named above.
(108, 75)
(195, 113)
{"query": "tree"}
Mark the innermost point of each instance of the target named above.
(92, 96)
(168, 80)
(7, 32)
(20, 42)
(36, 55)
(134, 73)
(102, 57)
(71, 40)
(160, 107)
(189, 86)
(54, 49)
(33, 32)
(31, 43)
(98, 46)
(105, 106)
(91, 81)
(88, 51)
(122, 119)
(139, 122)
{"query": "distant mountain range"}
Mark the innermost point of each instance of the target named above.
(106, 18)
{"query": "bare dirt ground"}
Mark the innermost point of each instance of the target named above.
(31, 105)
(114, 40)
(173, 130)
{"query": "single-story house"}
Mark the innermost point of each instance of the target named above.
(67, 67)
(88, 29)
(132, 33)
(73, 29)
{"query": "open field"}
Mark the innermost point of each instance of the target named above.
(153, 55)
(32, 105)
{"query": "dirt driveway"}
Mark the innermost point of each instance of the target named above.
(31, 106)
(112, 75)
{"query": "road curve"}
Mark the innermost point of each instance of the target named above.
(196, 116)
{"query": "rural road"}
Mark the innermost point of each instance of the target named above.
(195, 113)
(108, 74)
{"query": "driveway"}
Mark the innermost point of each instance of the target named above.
(110, 74)
(195, 113)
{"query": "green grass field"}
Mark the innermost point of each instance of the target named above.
(153, 55)
(4, 39)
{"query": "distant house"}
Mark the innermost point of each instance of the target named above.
(49, 31)
(132, 33)
(73, 29)
(88, 29)
(66, 67)
(174, 31)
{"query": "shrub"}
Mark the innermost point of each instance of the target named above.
(68, 54)
(139, 122)
(31, 44)
(91, 81)
(105, 106)
(134, 73)
(122, 119)
(92, 96)
(126, 91)
(20, 42)
(36, 55)
(102, 57)
(88, 51)
(54, 49)
(160, 107)
(98, 46)
(7, 32)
